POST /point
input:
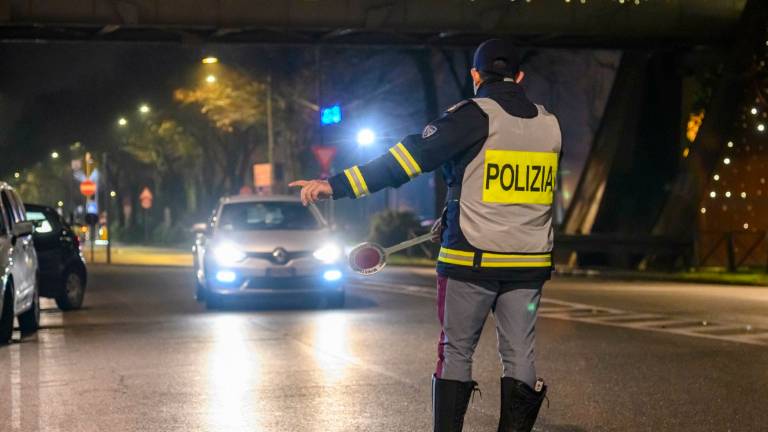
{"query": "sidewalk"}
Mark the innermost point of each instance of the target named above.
(140, 256)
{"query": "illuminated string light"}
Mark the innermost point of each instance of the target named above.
(727, 161)
(753, 111)
(746, 225)
(730, 144)
(761, 127)
(713, 194)
(716, 177)
(703, 210)
(743, 194)
(727, 194)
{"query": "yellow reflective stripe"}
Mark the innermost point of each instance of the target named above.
(457, 257)
(406, 161)
(455, 262)
(457, 252)
(361, 179)
(405, 151)
(352, 182)
(518, 264)
(494, 255)
(401, 161)
(516, 260)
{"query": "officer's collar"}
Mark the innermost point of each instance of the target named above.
(497, 86)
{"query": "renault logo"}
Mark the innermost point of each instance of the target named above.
(280, 255)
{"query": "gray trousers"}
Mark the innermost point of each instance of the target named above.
(463, 307)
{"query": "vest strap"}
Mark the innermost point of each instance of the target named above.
(487, 259)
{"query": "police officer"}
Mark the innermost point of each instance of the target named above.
(499, 153)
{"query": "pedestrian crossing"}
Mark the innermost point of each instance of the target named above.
(684, 326)
(570, 311)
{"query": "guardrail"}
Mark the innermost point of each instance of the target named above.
(732, 249)
(624, 251)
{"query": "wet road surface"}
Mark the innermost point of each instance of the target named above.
(144, 356)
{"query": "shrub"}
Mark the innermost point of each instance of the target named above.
(391, 226)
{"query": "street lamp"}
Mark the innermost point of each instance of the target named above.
(210, 79)
(16, 175)
(54, 155)
(144, 108)
(366, 137)
(210, 60)
(122, 122)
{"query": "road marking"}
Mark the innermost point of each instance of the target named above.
(591, 314)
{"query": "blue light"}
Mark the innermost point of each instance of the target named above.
(330, 115)
(332, 275)
(226, 276)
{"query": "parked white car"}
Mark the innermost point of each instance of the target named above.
(19, 296)
(267, 247)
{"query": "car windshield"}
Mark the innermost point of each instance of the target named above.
(259, 216)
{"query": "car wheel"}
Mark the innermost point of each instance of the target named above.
(29, 321)
(6, 317)
(74, 292)
(336, 300)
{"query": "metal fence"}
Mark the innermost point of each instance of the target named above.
(732, 250)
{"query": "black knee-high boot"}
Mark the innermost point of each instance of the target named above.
(520, 405)
(449, 403)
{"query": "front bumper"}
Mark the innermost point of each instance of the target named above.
(245, 283)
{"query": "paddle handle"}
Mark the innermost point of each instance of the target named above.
(409, 243)
(319, 215)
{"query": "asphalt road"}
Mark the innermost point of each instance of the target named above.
(144, 356)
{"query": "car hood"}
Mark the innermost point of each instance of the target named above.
(268, 241)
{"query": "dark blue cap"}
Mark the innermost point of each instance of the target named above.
(498, 57)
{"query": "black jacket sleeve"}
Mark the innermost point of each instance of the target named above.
(458, 129)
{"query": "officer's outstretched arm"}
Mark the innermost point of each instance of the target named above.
(462, 126)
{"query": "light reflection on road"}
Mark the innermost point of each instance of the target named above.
(233, 377)
(331, 344)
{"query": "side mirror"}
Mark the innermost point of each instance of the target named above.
(22, 229)
(200, 228)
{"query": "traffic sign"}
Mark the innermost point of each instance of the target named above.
(145, 198)
(88, 187)
(324, 156)
(330, 115)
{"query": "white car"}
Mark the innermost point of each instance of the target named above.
(267, 247)
(19, 296)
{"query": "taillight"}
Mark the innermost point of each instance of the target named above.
(76, 241)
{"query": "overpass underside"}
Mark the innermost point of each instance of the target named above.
(399, 22)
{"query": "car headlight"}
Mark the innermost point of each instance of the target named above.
(329, 253)
(227, 254)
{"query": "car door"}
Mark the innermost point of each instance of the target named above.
(24, 258)
(5, 244)
(28, 247)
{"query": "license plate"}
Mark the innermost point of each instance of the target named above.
(280, 272)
